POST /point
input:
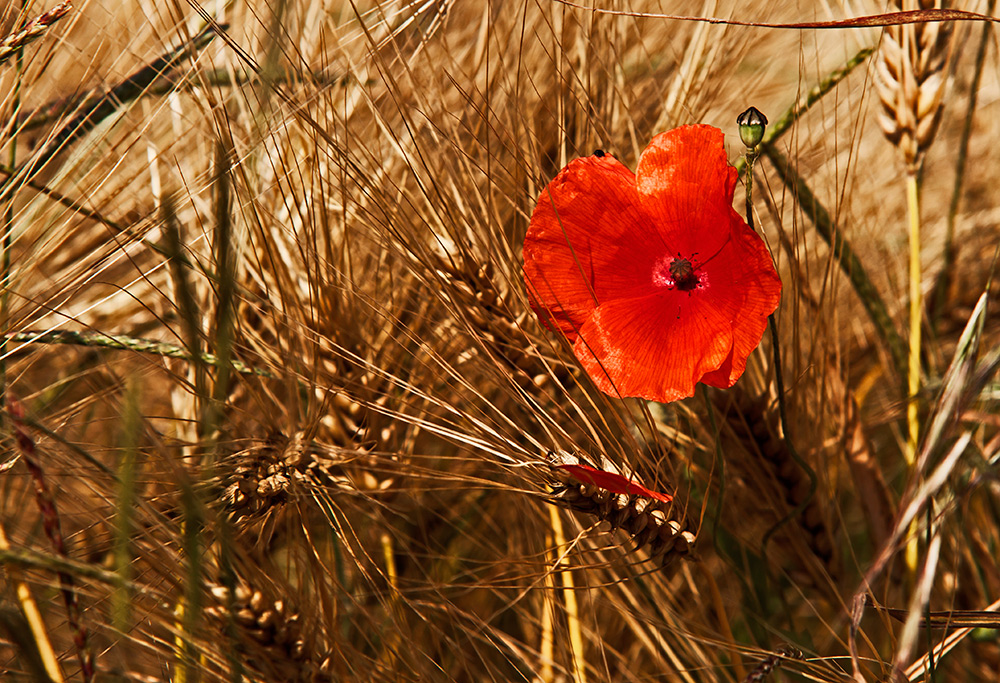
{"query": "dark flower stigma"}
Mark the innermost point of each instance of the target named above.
(683, 273)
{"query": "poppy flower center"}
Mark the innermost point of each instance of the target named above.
(677, 272)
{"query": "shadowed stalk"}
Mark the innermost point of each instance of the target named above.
(188, 610)
(719, 609)
(226, 287)
(392, 578)
(187, 309)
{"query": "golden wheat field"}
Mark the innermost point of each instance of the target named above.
(279, 403)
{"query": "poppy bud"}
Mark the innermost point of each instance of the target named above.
(752, 124)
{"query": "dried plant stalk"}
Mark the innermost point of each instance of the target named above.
(53, 529)
(911, 79)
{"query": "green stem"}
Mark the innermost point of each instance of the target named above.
(122, 342)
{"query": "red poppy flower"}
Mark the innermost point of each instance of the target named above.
(653, 276)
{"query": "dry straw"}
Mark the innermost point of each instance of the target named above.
(378, 509)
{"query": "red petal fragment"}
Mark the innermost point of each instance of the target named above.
(689, 159)
(615, 483)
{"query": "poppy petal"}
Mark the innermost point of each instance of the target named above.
(657, 347)
(569, 255)
(678, 173)
(744, 266)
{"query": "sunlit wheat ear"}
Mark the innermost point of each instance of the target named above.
(658, 526)
(911, 79)
(275, 638)
(31, 31)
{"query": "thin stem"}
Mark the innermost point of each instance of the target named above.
(32, 615)
(721, 465)
(46, 502)
(6, 241)
(779, 382)
(913, 369)
(123, 342)
(569, 598)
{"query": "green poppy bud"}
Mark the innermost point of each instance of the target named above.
(752, 124)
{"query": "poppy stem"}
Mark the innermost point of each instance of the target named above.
(772, 324)
(751, 157)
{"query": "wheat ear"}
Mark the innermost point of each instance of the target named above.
(911, 78)
(911, 83)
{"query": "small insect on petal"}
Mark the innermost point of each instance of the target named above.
(615, 483)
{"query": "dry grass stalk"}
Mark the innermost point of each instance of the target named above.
(398, 131)
(911, 77)
(46, 501)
